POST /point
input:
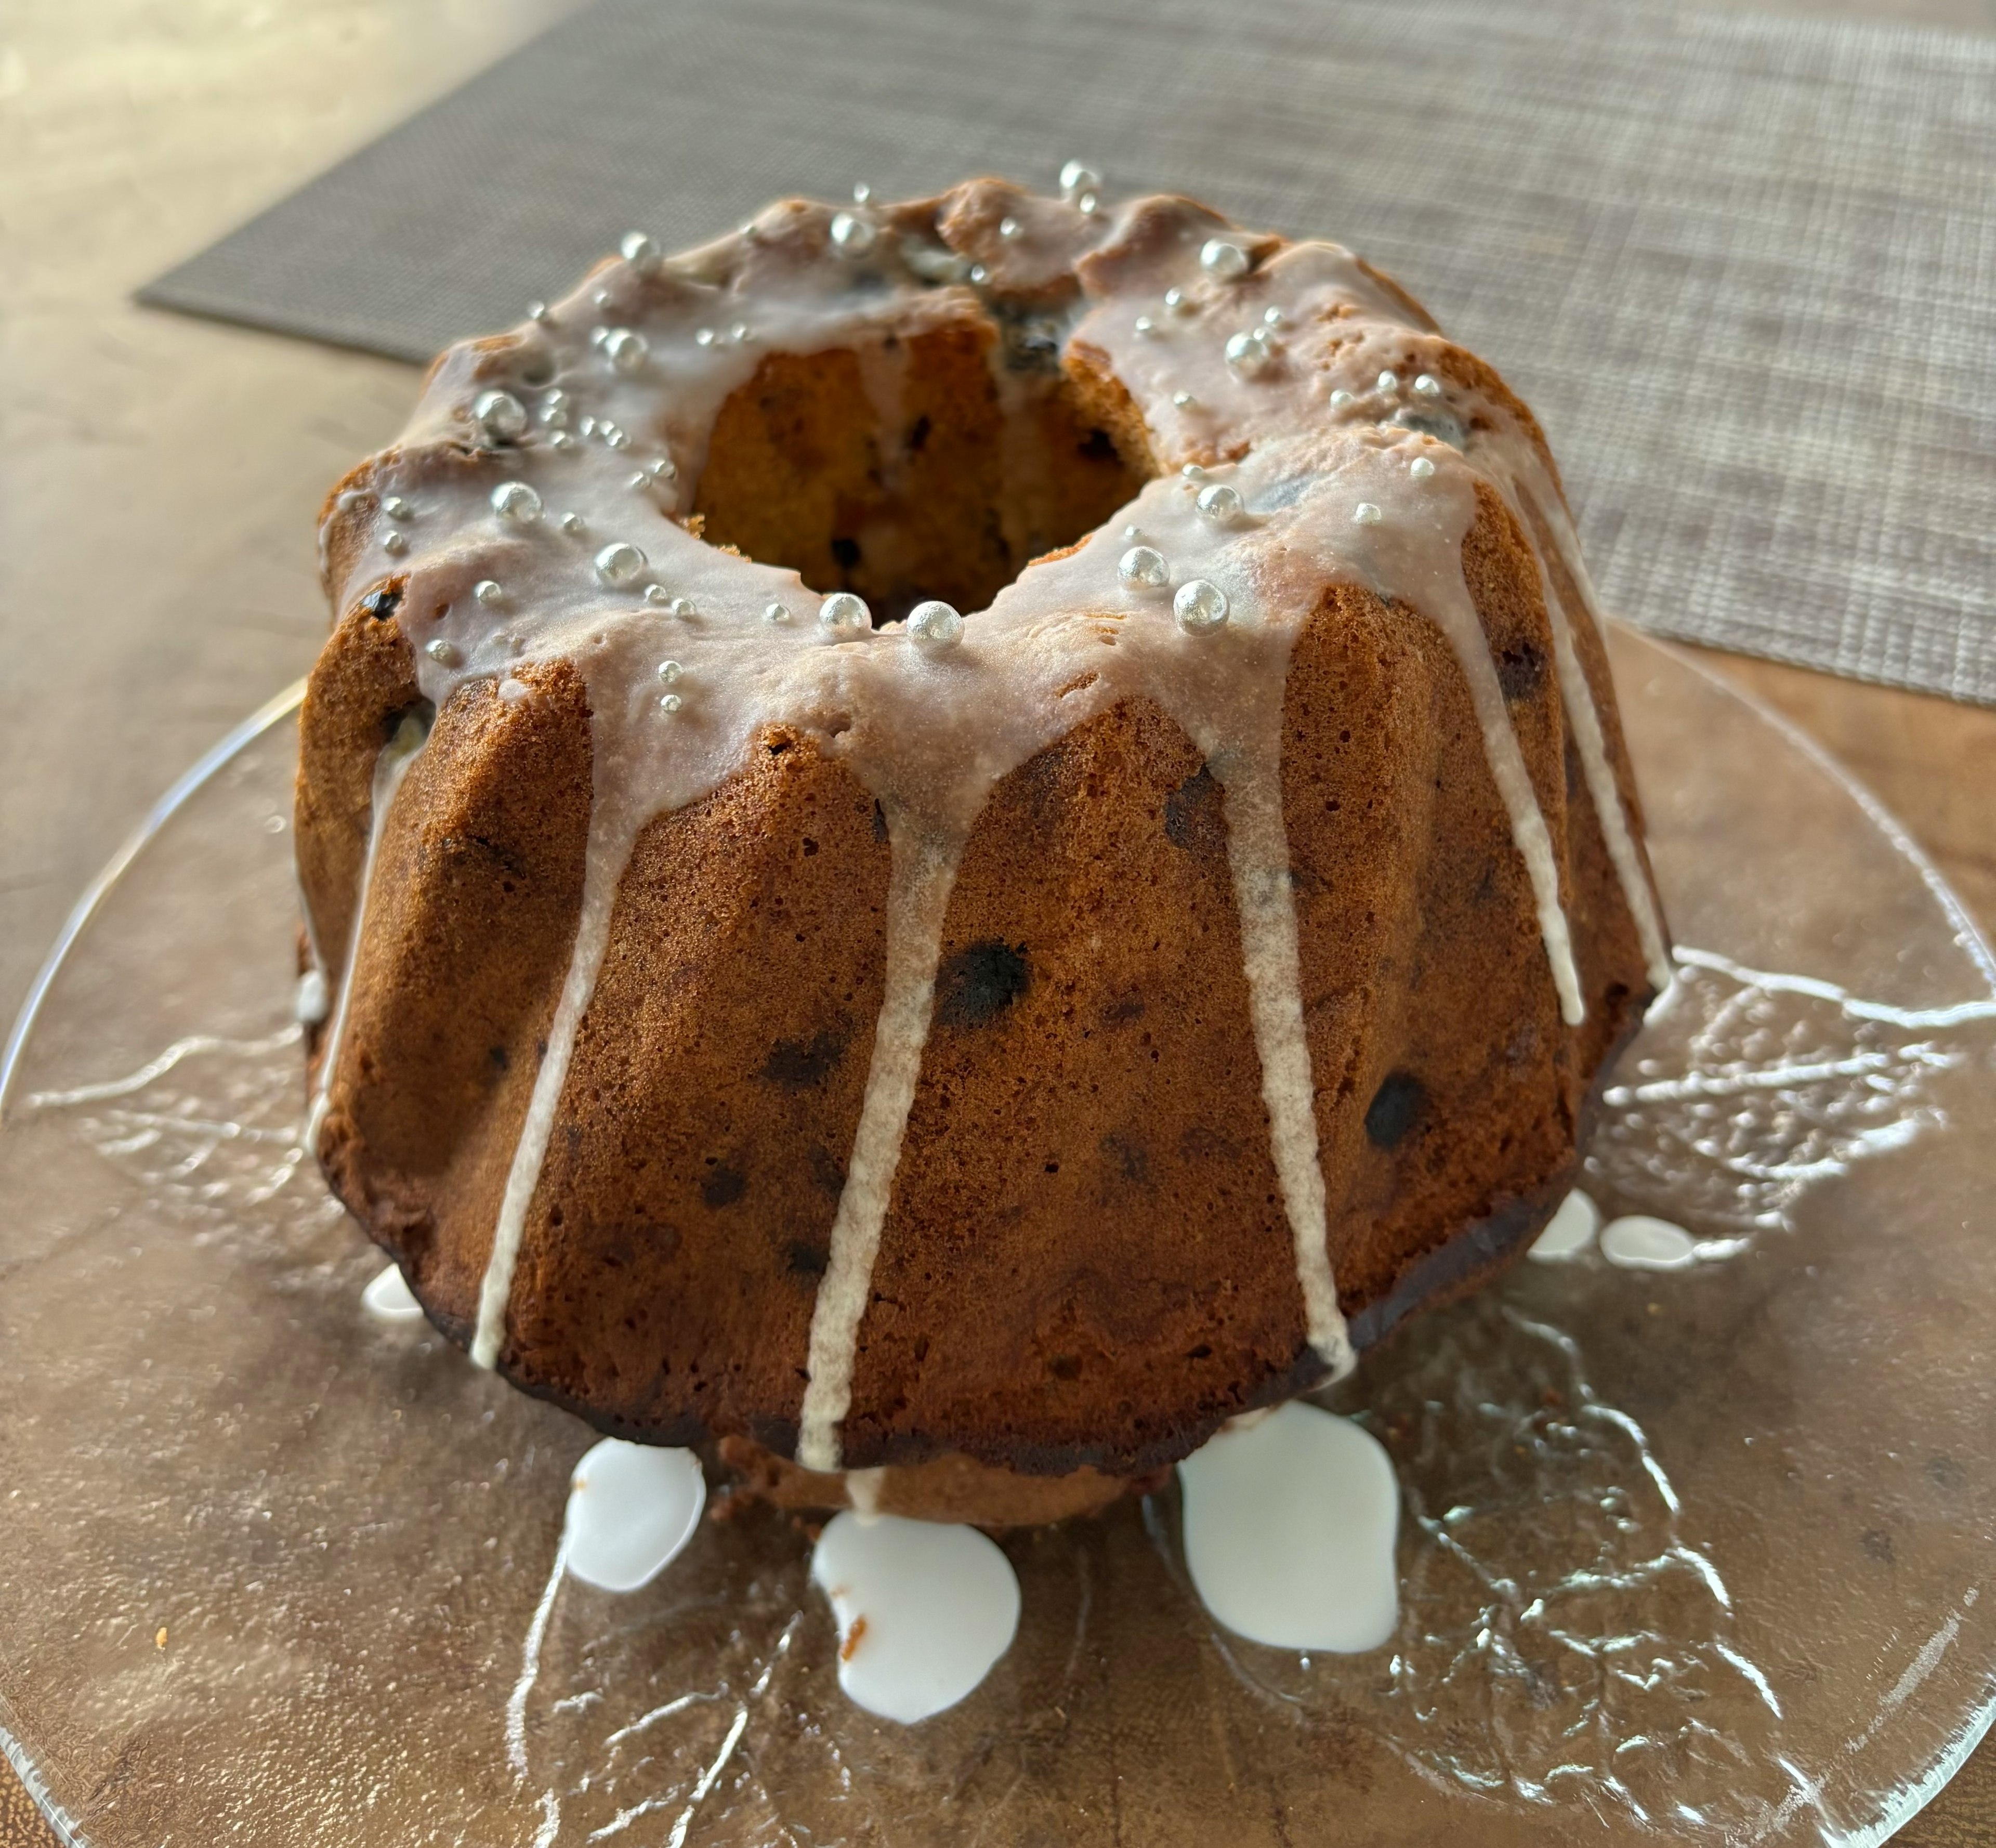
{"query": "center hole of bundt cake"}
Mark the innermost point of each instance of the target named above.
(937, 464)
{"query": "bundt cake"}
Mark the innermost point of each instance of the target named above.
(953, 841)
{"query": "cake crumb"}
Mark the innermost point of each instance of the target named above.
(160, 1637)
(847, 1649)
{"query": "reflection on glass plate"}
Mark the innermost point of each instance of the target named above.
(1700, 1551)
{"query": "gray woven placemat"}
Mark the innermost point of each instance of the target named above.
(1745, 268)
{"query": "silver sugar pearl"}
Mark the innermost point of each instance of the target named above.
(1340, 399)
(394, 543)
(441, 653)
(500, 416)
(1133, 530)
(597, 335)
(1389, 381)
(487, 592)
(1191, 471)
(704, 336)
(670, 671)
(641, 253)
(843, 613)
(740, 333)
(1145, 325)
(1199, 606)
(1184, 400)
(516, 501)
(587, 426)
(1089, 204)
(641, 480)
(1220, 503)
(1428, 385)
(862, 194)
(979, 273)
(603, 298)
(1078, 177)
(662, 468)
(1274, 317)
(1365, 513)
(573, 522)
(852, 235)
(1010, 229)
(670, 702)
(564, 440)
(1220, 257)
(1144, 568)
(396, 508)
(626, 349)
(1249, 353)
(679, 605)
(935, 625)
(1420, 468)
(657, 595)
(776, 612)
(538, 310)
(613, 436)
(619, 562)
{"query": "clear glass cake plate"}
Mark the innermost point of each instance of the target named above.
(1701, 1555)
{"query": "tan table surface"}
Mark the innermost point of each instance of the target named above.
(158, 476)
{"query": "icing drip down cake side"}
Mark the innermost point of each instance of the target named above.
(952, 842)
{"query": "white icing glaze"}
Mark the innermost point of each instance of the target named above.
(389, 1299)
(1289, 1526)
(924, 1609)
(617, 389)
(631, 1509)
(1570, 1230)
(1640, 1243)
(390, 768)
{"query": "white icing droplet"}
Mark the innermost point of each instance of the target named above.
(626, 350)
(516, 501)
(1200, 607)
(442, 652)
(1220, 258)
(619, 562)
(487, 592)
(1010, 229)
(924, 1610)
(1077, 177)
(1421, 469)
(1366, 514)
(389, 1299)
(313, 1000)
(1570, 1230)
(1289, 1526)
(776, 612)
(851, 235)
(1249, 352)
(500, 416)
(1427, 385)
(1389, 381)
(1220, 503)
(1640, 1242)
(513, 691)
(936, 624)
(631, 1509)
(641, 253)
(394, 544)
(1144, 567)
(846, 615)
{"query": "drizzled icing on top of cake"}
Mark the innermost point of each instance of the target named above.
(1310, 426)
